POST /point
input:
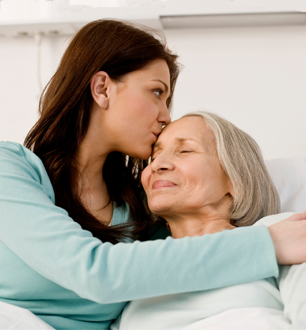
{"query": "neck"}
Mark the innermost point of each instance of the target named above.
(89, 164)
(91, 187)
(198, 224)
(92, 153)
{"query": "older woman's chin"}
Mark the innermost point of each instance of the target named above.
(159, 208)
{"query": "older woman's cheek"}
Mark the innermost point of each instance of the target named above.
(145, 178)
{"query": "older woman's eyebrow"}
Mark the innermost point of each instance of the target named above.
(182, 140)
(158, 145)
(166, 86)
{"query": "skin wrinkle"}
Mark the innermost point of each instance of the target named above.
(210, 150)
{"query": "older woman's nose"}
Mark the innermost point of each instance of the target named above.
(162, 164)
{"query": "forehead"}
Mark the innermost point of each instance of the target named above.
(156, 70)
(188, 127)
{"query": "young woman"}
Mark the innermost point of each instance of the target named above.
(67, 203)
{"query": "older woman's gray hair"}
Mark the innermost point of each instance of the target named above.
(255, 195)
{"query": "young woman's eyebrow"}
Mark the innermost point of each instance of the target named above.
(166, 86)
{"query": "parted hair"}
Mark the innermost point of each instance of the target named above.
(117, 48)
(255, 195)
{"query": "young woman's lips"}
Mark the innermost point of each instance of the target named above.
(156, 135)
(163, 184)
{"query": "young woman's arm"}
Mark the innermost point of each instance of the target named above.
(48, 240)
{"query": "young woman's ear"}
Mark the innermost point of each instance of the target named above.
(100, 89)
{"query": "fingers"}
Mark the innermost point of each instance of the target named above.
(297, 217)
(289, 239)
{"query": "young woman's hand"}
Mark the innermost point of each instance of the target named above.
(289, 239)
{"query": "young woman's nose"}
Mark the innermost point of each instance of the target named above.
(164, 116)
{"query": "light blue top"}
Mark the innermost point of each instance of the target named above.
(71, 280)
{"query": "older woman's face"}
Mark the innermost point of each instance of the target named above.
(185, 173)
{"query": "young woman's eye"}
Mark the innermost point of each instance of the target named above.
(158, 92)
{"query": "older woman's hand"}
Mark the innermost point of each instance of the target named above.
(289, 239)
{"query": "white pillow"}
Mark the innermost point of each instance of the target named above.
(289, 177)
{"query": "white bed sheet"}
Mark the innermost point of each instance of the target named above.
(244, 319)
(16, 318)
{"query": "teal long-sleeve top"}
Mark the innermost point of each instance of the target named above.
(72, 280)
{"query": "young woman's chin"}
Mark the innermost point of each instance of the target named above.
(142, 154)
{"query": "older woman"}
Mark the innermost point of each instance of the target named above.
(207, 176)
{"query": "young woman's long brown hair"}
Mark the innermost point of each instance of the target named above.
(117, 48)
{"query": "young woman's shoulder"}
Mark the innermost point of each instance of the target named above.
(14, 150)
(20, 163)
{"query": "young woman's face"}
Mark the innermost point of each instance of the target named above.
(138, 110)
(185, 174)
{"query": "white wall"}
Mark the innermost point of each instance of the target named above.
(254, 77)
(19, 89)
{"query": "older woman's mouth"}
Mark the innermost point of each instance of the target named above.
(162, 184)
